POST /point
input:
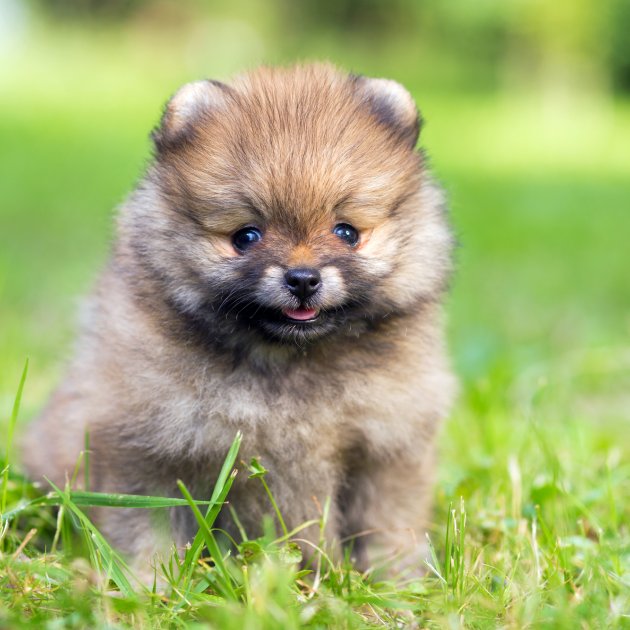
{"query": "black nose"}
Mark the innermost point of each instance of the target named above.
(303, 282)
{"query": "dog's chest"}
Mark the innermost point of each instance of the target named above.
(297, 418)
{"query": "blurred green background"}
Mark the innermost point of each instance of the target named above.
(527, 115)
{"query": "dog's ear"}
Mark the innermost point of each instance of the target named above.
(187, 107)
(392, 106)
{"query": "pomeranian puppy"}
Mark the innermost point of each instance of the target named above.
(279, 271)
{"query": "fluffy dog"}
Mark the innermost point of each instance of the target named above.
(279, 270)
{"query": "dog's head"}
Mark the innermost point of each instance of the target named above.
(292, 204)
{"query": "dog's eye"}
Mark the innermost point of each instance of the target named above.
(346, 233)
(245, 238)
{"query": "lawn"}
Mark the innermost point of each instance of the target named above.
(533, 499)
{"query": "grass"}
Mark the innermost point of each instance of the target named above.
(533, 497)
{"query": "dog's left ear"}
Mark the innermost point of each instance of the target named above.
(392, 106)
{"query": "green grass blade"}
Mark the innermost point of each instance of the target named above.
(219, 493)
(211, 544)
(116, 566)
(102, 499)
(227, 467)
(196, 548)
(272, 499)
(86, 460)
(10, 431)
(448, 543)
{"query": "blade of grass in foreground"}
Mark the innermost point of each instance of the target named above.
(10, 430)
(258, 471)
(225, 578)
(116, 567)
(220, 492)
(102, 499)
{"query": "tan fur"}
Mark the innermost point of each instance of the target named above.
(168, 367)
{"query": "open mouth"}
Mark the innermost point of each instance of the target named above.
(301, 314)
(300, 324)
(286, 325)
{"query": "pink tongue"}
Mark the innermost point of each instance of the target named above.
(301, 314)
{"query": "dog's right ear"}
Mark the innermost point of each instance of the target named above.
(392, 105)
(190, 104)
